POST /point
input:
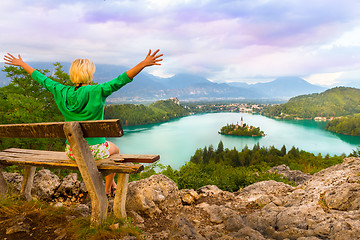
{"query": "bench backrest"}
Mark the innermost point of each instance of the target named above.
(100, 128)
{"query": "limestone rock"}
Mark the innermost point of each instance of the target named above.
(345, 200)
(83, 210)
(219, 214)
(292, 175)
(14, 179)
(153, 195)
(265, 192)
(182, 228)
(326, 206)
(248, 233)
(308, 210)
(69, 186)
(188, 196)
(208, 190)
(45, 184)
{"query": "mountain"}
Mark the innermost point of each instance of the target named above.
(147, 87)
(286, 87)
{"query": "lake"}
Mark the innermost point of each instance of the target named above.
(177, 140)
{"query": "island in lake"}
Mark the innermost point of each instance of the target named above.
(241, 130)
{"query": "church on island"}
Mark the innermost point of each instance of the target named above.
(241, 130)
(242, 125)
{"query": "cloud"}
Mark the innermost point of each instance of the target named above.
(325, 79)
(233, 40)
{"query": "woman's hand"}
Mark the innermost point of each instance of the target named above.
(153, 59)
(11, 60)
(150, 60)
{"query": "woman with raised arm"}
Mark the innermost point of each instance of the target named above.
(85, 102)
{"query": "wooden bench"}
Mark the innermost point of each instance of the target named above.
(91, 171)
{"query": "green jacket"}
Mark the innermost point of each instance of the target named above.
(86, 103)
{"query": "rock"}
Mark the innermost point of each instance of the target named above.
(114, 227)
(208, 190)
(45, 184)
(69, 186)
(153, 195)
(136, 217)
(182, 228)
(265, 192)
(219, 214)
(248, 233)
(326, 206)
(292, 175)
(188, 196)
(308, 238)
(83, 209)
(58, 204)
(345, 200)
(14, 180)
(309, 210)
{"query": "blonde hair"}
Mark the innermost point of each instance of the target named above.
(81, 71)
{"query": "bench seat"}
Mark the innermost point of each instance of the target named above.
(118, 163)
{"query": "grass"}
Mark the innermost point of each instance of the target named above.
(45, 221)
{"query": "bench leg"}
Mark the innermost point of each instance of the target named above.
(120, 195)
(89, 171)
(3, 184)
(27, 183)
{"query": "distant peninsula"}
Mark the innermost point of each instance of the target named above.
(241, 130)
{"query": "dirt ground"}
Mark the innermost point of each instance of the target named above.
(34, 224)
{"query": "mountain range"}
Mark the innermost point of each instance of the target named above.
(189, 87)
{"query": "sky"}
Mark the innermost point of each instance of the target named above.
(223, 40)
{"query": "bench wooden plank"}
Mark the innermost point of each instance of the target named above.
(100, 128)
(55, 155)
(105, 165)
(138, 158)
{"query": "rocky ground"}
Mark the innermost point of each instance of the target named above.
(325, 205)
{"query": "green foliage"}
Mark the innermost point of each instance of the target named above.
(355, 152)
(349, 125)
(231, 129)
(231, 170)
(80, 228)
(131, 114)
(23, 100)
(339, 101)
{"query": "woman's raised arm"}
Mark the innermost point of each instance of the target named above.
(150, 60)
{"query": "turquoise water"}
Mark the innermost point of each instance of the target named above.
(176, 141)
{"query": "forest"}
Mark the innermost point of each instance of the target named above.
(131, 114)
(335, 102)
(232, 169)
(341, 104)
(349, 125)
